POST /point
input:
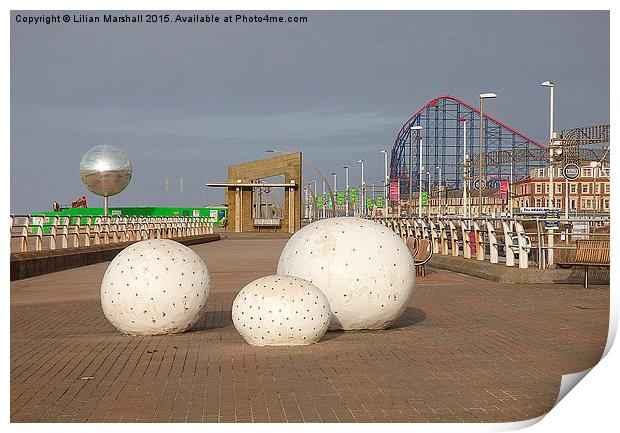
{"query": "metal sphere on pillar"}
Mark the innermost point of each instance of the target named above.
(105, 170)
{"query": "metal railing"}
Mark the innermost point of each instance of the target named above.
(38, 233)
(518, 241)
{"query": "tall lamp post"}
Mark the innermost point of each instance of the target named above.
(551, 86)
(385, 180)
(362, 194)
(465, 204)
(428, 200)
(417, 128)
(334, 194)
(346, 191)
(439, 192)
(483, 96)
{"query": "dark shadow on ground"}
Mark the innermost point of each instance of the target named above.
(410, 317)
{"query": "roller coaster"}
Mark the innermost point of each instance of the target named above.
(504, 148)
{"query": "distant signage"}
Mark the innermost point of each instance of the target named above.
(552, 219)
(542, 211)
(503, 189)
(213, 213)
(369, 203)
(394, 191)
(196, 212)
(340, 198)
(424, 198)
(320, 201)
(353, 195)
(478, 184)
(115, 212)
(329, 203)
(571, 171)
(379, 201)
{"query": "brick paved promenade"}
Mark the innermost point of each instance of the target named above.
(465, 350)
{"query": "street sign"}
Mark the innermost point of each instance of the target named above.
(353, 195)
(571, 171)
(379, 201)
(424, 198)
(369, 203)
(394, 191)
(329, 202)
(477, 184)
(320, 201)
(503, 189)
(340, 198)
(552, 219)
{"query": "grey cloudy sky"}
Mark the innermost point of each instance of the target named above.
(185, 100)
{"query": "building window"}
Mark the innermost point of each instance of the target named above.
(558, 188)
(538, 188)
(558, 203)
(586, 203)
(538, 202)
(585, 188)
(606, 204)
(573, 188)
(541, 172)
(586, 172)
(573, 204)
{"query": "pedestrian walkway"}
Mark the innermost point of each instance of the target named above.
(465, 349)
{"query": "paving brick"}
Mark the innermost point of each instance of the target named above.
(465, 350)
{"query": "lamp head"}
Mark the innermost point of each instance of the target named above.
(488, 95)
(548, 83)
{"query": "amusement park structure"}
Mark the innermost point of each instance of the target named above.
(442, 143)
(438, 129)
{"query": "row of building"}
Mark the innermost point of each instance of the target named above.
(588, 194)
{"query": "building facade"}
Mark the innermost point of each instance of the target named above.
(588, 194)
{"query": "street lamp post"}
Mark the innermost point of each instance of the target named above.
(483, 96)
(362, 189)
(462, 119)
(416, 128)
(551, 86)
(385, 180)
(428, 199)
(439, 193)
(334, 194)
(346, 191)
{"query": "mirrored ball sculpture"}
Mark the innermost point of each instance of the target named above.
(364, 269)
(105, 170)
(154, 287)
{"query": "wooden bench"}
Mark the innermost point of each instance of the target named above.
(422, 251)
(588, 253)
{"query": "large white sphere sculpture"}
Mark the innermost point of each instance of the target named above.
(281, 311)
(364, 269)
(154, 287)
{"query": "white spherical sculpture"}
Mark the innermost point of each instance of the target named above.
(154, 287)
(364, 269)
(281, 311)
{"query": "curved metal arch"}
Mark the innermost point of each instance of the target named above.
(442, 143)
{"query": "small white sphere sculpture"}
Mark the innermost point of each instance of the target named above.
(364, 269)
(154, 287)
(281, 311)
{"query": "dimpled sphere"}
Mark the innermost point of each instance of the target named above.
(364, 269)
(154, 287)
(281, 311)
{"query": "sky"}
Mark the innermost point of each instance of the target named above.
(188, 99)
